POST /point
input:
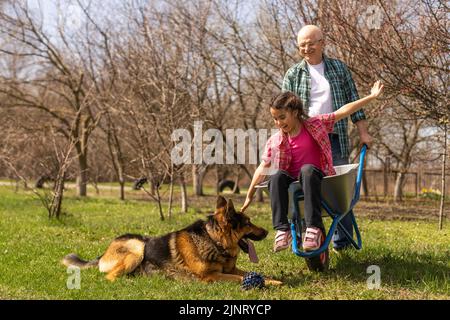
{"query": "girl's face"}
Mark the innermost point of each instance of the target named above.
(286, 120)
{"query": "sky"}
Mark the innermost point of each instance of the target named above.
(67, 11)
(53, 11)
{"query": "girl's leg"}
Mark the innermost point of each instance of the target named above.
(311, 182)
(279, 199)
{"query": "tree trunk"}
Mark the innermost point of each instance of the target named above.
(259, 195)
(198, 173)
(152, 188)
(218, 179)
(57, 197)
(170, 192)
(95, 184)
(386, 173)
(419, 180)
(158, 199)
(121, 181)
(444, 156)
(236, 180)
(82, 175)
(115, 152)
(398, 189)
(184, 200)
(122, 189)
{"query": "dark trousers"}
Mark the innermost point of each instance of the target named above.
(339, 239)
(310, 181)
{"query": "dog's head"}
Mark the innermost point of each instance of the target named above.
(237, 224)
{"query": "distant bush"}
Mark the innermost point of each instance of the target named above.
(433, 194)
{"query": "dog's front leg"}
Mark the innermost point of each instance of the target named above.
(238, 272)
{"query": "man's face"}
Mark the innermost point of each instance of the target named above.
(311, 48)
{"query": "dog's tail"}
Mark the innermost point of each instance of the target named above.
(73, 260)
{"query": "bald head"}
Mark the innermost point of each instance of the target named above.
(311, 44)
(309, 32)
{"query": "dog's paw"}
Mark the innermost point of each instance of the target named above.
(111, 277)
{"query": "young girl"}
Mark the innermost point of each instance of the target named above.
(301, 149)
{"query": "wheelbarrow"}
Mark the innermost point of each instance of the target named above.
(339, 194)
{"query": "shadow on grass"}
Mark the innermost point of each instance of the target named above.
(408, 270)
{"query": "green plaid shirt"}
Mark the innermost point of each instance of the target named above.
(343, 91)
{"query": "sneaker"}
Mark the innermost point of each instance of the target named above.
(283, 240)
(313, 239)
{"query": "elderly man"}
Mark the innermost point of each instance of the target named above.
(324, 85)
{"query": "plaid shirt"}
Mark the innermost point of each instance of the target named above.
(343, 91)
(278, 151)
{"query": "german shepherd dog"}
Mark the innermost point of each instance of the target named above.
(207, 250)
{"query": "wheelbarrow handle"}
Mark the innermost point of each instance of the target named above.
(362, 156)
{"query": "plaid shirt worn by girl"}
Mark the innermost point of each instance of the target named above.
(278, 152)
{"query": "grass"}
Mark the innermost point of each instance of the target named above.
(413, 255)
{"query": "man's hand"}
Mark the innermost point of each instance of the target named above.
(364, 136)
(365, 139)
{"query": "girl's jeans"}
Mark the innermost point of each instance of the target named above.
(310, 182)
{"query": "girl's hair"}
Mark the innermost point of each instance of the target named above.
(288, 100)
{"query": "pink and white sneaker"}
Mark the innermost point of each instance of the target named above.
(283, 240)
(313, 239)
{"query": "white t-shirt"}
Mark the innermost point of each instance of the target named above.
(320, 91)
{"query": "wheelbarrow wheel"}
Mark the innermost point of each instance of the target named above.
(321, 262)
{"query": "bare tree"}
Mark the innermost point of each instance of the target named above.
(402, 138)
(403, 43)
(58, 83)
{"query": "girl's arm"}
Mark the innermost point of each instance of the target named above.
(354, 106)
(258, 177)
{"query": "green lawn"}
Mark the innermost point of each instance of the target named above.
(413, 256)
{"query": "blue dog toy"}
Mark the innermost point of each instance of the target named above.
(252, 280)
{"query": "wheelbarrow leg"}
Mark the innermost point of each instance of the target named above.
(341, 228)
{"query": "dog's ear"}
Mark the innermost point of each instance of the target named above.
(225, 208)
(221, 202)
(230, 207)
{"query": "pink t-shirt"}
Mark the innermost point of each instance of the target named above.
(304, 150)
(278, 151)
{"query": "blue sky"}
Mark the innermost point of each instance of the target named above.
(53, 11)
(68, 11)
